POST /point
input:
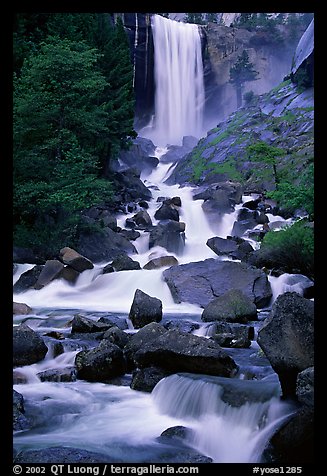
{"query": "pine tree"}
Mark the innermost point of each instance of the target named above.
(240, 73)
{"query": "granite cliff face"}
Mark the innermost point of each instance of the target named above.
(271, 55)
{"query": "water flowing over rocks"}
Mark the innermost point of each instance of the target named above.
(201, 282)
(287, 339)
(170, 235)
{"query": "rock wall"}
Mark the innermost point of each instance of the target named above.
(271, 57)
(138, 29)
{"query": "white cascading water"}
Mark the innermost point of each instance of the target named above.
(226, 433)
(179, 85)
(117, 420)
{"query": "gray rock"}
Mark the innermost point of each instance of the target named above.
(232, 306)
(145, 335)
(125, 263)
(180, 352)
(28, 279)
(147, 378)
(237, 330)
(51, 270)
(104, 245)
(116, 336)
(201, 282)
(167, 211)
(62, 455)
(101, 363)
(21, 308)
(305, 386)
(161, 262)
(20, 422)
(28, 346)
(75, 260)
(145, 309)
(287, 339)
(82, 324)
(68, 374)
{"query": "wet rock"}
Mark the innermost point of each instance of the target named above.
(75, 260)
(161, 262)
(232, 306)
(62, 455)
(201, 282)
(101, 363)
(124, 263)
(51, 270)
(21, 308)
(305, 387)
(81, 324)
(145, 309)
(68, 374)
(180, 352)
(116, 336)
(167, 211)
(20, 422)
(147, 378)
(28, 346)
(28, 279)
(145, 335)
(287, 339)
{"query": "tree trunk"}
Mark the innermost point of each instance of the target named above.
(238, 96)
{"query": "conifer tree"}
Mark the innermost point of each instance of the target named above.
(240, 73)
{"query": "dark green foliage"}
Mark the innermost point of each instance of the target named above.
(73, 110)
(292, 249)
(291, 197)
(241, 73)
(262, 152)
(248, 96)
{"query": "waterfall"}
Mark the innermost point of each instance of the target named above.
(230, 420)
(179, 85)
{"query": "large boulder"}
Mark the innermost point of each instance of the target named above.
(104, 245)
(236, 248)
(167, 211)
(75, 260)
(287, 339)
(125, 263)
(51, 270)
(145, 335)
(181, 352)
(28, 279)
(28, 346)
(232, 306)
(145, 309)
(201, 282)
(101, 363)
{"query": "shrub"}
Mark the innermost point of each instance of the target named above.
(291, 249)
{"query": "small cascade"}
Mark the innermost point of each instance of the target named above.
(231, 420)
